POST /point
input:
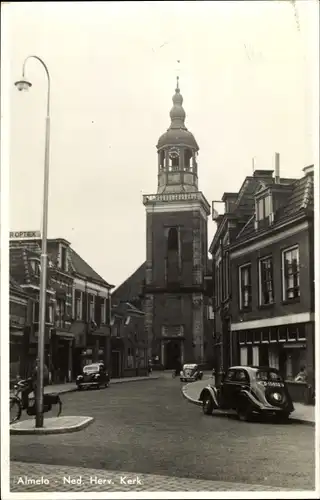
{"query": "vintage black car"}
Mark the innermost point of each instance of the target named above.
(94, 375)
(190, 373)
(250, 391)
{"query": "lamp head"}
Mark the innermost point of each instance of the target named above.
(23, 84)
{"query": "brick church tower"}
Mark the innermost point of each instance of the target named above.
(177, 249)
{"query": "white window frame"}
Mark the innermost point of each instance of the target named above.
(78, 313)
(92, 307)
(269, 257)
(267, 206)
(247, 265)
(283, 253)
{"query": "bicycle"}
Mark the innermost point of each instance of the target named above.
(18, 403)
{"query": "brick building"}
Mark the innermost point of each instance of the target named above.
(128, 339)
(175, 294)
(78, 307)
(263, 270)
(20, 310)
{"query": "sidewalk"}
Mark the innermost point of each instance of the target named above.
(302, 413)
(71, 386)
(58, 478)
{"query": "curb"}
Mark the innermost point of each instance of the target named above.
(57, 430)
(74, 389)
(310, 423)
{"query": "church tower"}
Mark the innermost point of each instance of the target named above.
(177, 248)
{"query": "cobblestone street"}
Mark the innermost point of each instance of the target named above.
(148, 428)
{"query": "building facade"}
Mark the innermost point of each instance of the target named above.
(128, 340)
(20, 309)
(263, 254)
(175, 298)
(78, 307)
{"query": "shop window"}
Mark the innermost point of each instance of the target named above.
(266, 292)
(242, 337)
(249, 338)
(130, 358)
(282, 334)
(290, 274)
(255, 356)
(265, 335)
(257, 337)
(274, 335)
(245, 286)
(292, 333)
(243, 356)
(301, 332)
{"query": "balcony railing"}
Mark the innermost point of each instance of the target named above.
(151, 198)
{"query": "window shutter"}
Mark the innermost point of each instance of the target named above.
(84, 306)
(97, 310)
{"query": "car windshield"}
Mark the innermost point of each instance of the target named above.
(268, 375)
(91, 369)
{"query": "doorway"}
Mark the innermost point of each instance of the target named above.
(172, 354)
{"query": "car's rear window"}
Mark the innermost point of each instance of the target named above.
(91, 368)
(268, 375)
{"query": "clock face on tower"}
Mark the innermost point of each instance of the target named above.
(173, 154)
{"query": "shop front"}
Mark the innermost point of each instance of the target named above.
(287, 348)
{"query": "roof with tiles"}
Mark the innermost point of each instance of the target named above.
(131, 289)
(299, 196)
(22, 251)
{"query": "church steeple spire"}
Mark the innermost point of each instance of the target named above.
(177, 113)
(177, 152)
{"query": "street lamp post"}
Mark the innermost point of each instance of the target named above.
(24, 84)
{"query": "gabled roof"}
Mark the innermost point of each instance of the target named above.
(131, 288)
(298, 196)
(80, 266)
(21, 251)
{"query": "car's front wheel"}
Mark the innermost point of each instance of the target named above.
(207, 404)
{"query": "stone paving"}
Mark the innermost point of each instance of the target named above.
(79, 479)
(304, 413)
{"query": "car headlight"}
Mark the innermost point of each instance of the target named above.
(181, 373)
(277, 396)
(96, 375)
(79, 377)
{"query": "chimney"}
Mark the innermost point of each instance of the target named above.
(277, 168)
(309, 170)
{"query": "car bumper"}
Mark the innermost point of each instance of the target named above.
(92, 382)
(188, 379)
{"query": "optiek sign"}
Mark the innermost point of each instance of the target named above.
(27, 235)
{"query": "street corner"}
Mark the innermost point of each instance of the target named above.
(192, 391)
(55, 425)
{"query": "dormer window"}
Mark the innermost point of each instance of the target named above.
(263, 207)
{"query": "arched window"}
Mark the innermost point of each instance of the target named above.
(173, 239)
(187, 159)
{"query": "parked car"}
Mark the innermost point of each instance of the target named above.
(190, 373)
(93, 375)
(250, 391)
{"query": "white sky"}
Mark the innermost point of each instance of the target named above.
(247, 87)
